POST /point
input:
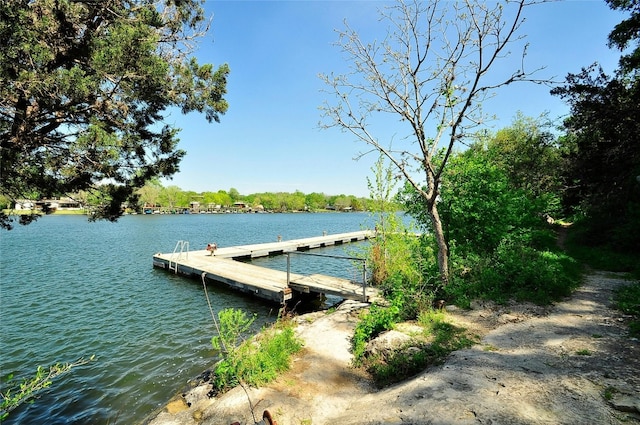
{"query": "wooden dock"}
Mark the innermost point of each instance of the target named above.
(262, 282)
(246, 252)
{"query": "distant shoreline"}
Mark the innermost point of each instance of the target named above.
(84, 212)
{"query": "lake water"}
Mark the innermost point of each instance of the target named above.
(72, 289)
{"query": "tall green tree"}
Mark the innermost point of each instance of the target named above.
(149, 195)
(500, 244)
(603, 163)
(84, 88)
(169, 196)
(529, 153)
(626, 33)
(315, 200)
(603, 142)
(482, 204)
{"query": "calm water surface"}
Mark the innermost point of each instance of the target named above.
(71, 289)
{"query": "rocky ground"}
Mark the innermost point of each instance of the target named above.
(570, 363)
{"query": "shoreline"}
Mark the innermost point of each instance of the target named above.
(11, 212)
(530, 367)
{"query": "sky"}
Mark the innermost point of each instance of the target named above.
(270, 139)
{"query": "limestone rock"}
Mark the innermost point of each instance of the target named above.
(387, 342)
(626, 403)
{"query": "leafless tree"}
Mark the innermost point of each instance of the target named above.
(434, 68)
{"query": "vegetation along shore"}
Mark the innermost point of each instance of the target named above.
(517, 303)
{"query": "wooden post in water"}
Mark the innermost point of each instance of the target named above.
(288, 268)
(364, 281)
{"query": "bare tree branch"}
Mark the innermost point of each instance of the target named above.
(432, 70)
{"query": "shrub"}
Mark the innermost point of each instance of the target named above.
(372, 323)
(627, 300)
(597, 254)
(439, 339)
(519, 267)
(14, 392)
(254, 361)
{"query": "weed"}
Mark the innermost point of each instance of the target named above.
(371, 324)
(583, 352)
(609, 392)
(255, 361)
(442, 337)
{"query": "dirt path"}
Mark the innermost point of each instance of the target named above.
(533, 366)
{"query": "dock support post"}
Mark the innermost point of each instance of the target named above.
(364, 281)
(288, 268)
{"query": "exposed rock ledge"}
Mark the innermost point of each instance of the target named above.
(567, 364)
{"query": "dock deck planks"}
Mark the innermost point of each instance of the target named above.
(262, 282)
(277, 248)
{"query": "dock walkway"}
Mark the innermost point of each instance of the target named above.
(245, 252)
(262, 282)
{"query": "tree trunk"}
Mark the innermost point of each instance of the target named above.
(443, 248)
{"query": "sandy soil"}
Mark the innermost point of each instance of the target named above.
(534, 365)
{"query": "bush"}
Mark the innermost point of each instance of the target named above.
(516, 269)
(255, 361)
(598, 254)
(627, 300)
(372, 323)
(14, 392)
(439, 339)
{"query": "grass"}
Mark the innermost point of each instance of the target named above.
(258, 360)
(438, 340)
(609, 392)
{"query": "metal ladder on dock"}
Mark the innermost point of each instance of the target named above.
(182, 247)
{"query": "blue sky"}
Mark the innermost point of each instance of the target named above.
(269, 140)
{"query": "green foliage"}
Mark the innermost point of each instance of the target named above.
(233, 326)
(85, 87)
(493, 204)
(599, 256)
(401, 262)
(609, 392)
(515, 269)
(5, 202)
(482, 204)
(438, 340)
(15, 392)
(603, 156)
(254, 361)
(479, 207)
(624, 33)
(530, 156)
(372, 323)
(172, 198)
(627, 300)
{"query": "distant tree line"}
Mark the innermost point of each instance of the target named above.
(153, 194)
